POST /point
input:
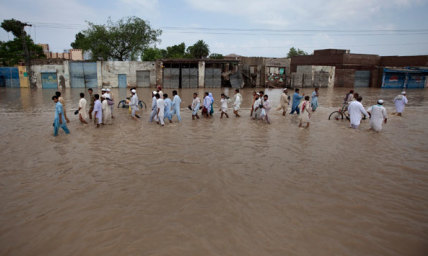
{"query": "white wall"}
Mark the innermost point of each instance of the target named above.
(108, 72)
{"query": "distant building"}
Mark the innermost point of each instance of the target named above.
(340, 68)
(73, 54)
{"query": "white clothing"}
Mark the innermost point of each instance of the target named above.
(134, 102)
(195, 103)
(99, 109)
(207, 103)
(400, 102)
(82, 106)
(223, 105)
(355, 110)
(237, 102)
(304, 111)
(266, 107)
(378, 114)
(160, 105)
(257, 112)
(106, 112)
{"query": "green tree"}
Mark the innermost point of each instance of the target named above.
(125, 39)
(177, 51)
(12, 52)
(293, 52)
(216, 56)
(199, 50)
(152, 54)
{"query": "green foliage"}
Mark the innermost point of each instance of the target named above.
(125, 39)
(216, 56)
(176, 51)
(12, 52)
(199, 50)
(14, 26)
(152, 54)
(293, 52)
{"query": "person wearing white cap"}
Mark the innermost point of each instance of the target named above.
(153, 114)
(133, 104)
(284, 101)
(110, 101)
(377, 116)
(400, 102)
(160, 110)
(106, 109)
(355, 110)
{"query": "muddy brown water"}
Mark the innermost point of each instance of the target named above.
(212, 187)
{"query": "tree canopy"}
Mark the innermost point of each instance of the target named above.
(216, 56)
(199, 50)
(125, 39)
(12, 51)
(293, 52)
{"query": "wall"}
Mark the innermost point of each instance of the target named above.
(255, 78)
(23, 77)
(313, 76)
(404, 61)
(62, 73)
(108, 72)
(201, 74)
(344, 78)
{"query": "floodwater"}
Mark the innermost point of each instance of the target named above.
(212, 187)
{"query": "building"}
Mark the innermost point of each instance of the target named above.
(340, 68)
(265, 72)
(72, 54)
(194, 73)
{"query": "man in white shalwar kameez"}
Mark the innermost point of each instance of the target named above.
(377, 116)
(106, 110)
(400, 102)
(160, 109)
(237, 102)
(355, 110)
(82, 109)
(153, 114)
(133, 104)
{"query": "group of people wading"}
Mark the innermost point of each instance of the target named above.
(163, 108)
(377, 113)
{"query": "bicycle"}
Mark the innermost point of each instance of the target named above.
(123, 104)
(340, 114)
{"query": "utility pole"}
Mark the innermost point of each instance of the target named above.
(27, 54)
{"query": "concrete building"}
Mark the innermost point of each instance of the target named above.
(72, 54)
(265, 72)
(350, 70)
(193, 73)
(124, 74)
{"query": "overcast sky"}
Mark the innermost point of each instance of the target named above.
(245, 27)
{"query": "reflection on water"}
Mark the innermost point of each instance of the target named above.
(212, 187)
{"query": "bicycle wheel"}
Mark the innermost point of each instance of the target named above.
(121, 103)
(142, 104)
(335, 115)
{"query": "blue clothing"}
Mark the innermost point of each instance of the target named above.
(296, 102)
(211, 111)
(154, 109)
(167, 110)
(176, 107)
(59, 110)
(314, 102)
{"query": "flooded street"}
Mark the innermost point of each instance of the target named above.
(212, 187)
